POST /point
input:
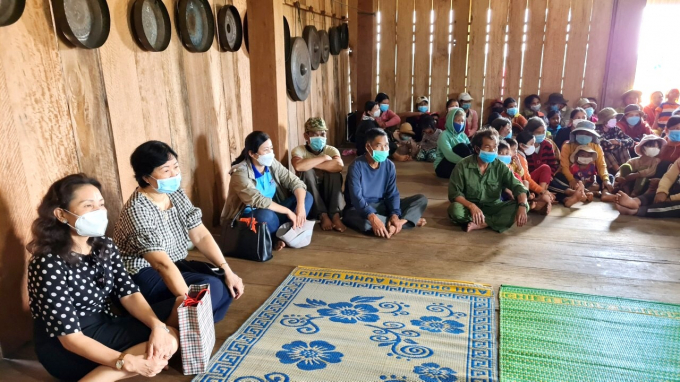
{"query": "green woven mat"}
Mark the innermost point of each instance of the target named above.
(559, 336)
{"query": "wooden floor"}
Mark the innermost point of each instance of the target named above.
(588, 249)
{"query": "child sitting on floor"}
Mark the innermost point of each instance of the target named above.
(407, 149)
(540, 200)
(428, 145)
(583, 168)
(633, 176)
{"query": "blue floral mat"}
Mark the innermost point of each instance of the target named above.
(333, 325)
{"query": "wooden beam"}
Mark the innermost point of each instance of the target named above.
(493, 78)
(598, 41)
(365, 52)
(440, 55)
(476, 57)
(421, 60)
(553, 50)
(402, 99)
(388, 20)
(576, 49)
(531, 73)
(459, 48)
(513, 64)
(267, 60)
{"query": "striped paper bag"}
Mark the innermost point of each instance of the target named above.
(196, 329)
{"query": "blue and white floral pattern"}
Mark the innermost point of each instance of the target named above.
(391, 335)
(348, 313)
(313, 356)
(434, 324)
(271, 377)
(392, 378)
(432, 372)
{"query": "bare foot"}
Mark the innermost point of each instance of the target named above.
(326, 223)
(421, 222)
(582, 196)
(280, 245)
(590, 196)
(472, 226)
(571, 200)
(543, 208)
(609, 198)
(338, 225)
(628, 202)
(625, 210)
(597, 194)
(391, 230)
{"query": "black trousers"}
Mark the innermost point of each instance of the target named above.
(659, 210)
(445, 168)
(326, 190)
(117, 333)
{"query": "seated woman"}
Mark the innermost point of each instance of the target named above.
(542, 159)
(664, 204)
(453, 145)
(589, 107)
(671, 151)
(563, 134)
(532, 107)
(373, 200)
(614, 142)
(471, 117)
(503, 127)
(557, 102)
(155, 226)
(73, 275)
(511, 112)
(633, 123)
(422, 104)
(633, 176)
(476, 186)
(450, 105)
(263, 184)
(540, 199)
(564, 183)
(371, 112)
(388, 119)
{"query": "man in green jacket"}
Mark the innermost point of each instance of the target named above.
(476, 185)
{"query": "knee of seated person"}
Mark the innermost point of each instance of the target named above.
(457, 212)
(309, 200)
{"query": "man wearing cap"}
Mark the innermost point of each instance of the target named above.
(471, 117)
(319, 166)
(589, 107)
(557, 102)
(614, 142)
(422, 104)
(630, 97)
(583, 134)
(407, 148)
(633, 123)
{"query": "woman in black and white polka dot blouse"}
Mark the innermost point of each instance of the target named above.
(73, 274)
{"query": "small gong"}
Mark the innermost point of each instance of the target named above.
(344, 35)
(335, 45)
(298, 70)
(312, 38)
(325, 46)
(151, 25)
(196, 24)
(85, 23)
(229, 28)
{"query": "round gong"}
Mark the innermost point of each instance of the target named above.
(151, 25)
(10, 11)
(335, 45)
(298, 70)
(286, 38)
(312, 39)
(325, 46)
(229, 28)
(196, 24)
(344, 35)
(85, 23)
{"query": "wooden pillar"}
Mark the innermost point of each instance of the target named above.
(268, 72)
(622, 52)
(365, 52)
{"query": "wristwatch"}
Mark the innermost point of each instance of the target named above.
(121, 362)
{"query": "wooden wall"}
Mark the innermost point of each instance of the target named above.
(66, 110)
(469, 39)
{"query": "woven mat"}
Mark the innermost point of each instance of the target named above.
(334, 325)
(559, 336)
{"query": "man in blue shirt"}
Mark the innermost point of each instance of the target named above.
(371, 194)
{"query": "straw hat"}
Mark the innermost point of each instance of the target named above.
(585, 148)
(407, 129)
(632, 91)
(582, 102)
(606, 114)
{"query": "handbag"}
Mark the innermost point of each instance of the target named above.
(246, 240)
(196, 329)
(194, 266)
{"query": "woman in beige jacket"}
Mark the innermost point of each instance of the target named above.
(263, 188)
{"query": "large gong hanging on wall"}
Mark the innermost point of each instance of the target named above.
(344, 35)
(151, 25)
(312, 39)
(230, 28)
(196, 24)
(10, 11)
(298, 70)
(325, 46)
(335, 45)
(286, 38)
(85, 23)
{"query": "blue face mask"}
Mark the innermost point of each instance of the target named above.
(539, 138)
(674, 135)
(317, 143)
(380, 156)
(169, 185)
(589, 111)
(509, 135)
(423, 109)
(487, 157)
(512, 111)
(405, 137)
(459, 127)
(384, 107)
(632, 121)
(507, 159)
(554, 107)
(584, 139)
(465, 106)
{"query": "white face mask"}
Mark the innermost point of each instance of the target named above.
(652, 151)
(584, 160)
(376, 114)
(530, 150)
(266, 159)
(575, 122)
(91, 224)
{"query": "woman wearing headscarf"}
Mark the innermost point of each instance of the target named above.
(453, 145)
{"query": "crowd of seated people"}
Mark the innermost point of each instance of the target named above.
(518, 162)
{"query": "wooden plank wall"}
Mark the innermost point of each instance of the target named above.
(539, 57)
(65, 110)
